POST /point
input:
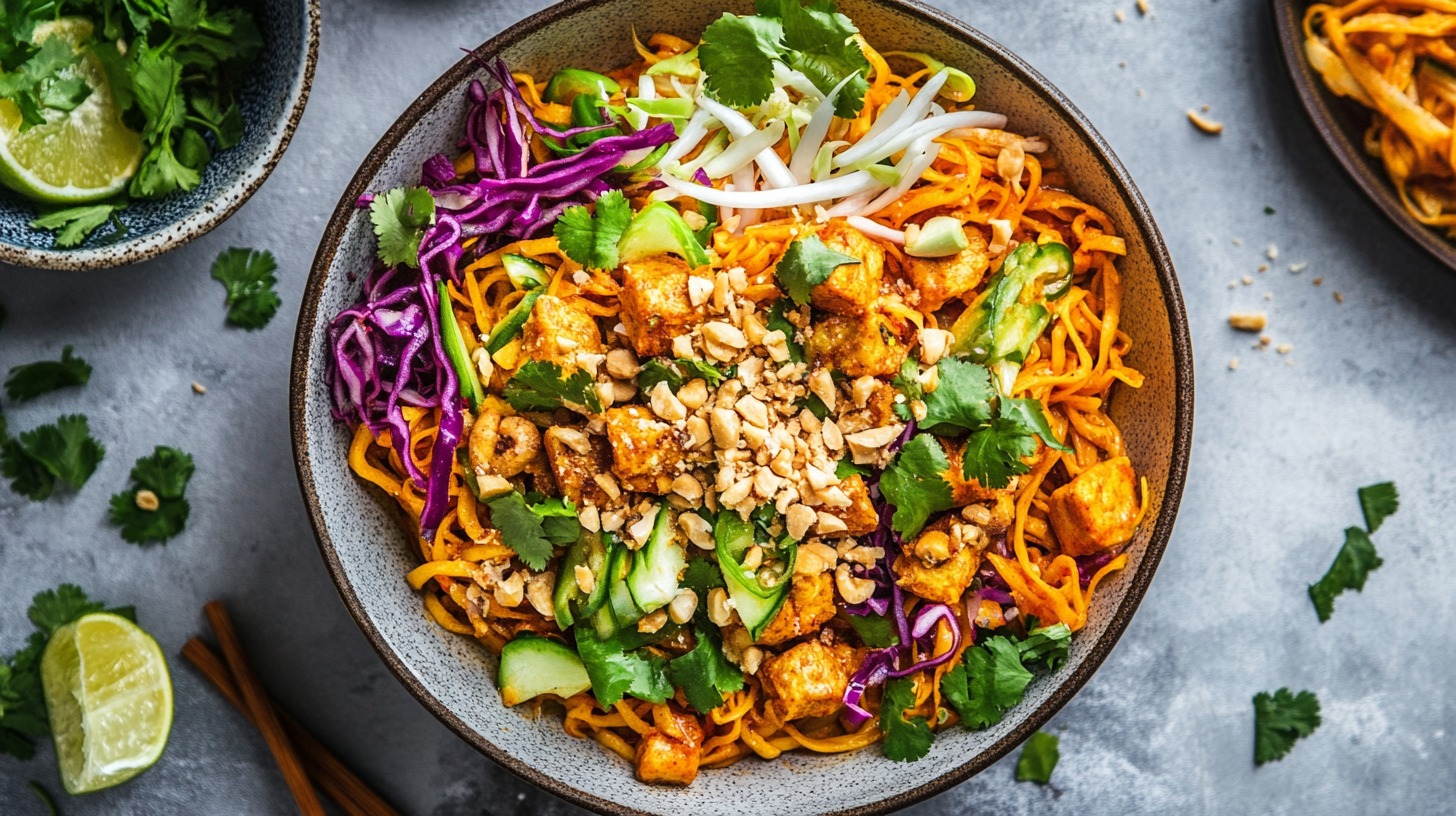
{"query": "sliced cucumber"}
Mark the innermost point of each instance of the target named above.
(524, 272)
(756, 604)
(659, 230)
(531, 665)
(454, 343)
(654, 577)
(618, 610)
(569, 601)
(509, 326)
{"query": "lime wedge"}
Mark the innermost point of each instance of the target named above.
(110, 700)
(77, 156)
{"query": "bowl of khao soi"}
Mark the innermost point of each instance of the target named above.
(796, 392)
(127, 129)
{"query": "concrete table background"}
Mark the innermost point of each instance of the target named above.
(1364, 395)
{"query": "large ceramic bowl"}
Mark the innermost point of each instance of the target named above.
(368, 552)
(1342, 124)
(271, 102)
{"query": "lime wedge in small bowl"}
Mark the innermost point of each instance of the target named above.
(86, 154)
(110, 700)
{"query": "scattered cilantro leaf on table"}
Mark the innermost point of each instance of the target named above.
(35, 460)
(1378, 502)
(591, 240)
(248, 276)
(1280, 720)
(914, 485)
(399, 218)
(807, 263)
(704, 673)
(75, 224)
(1038, 758)
(26, 382)
(1352, 565)
(165, 474)
(544, 386)
(615, 671)
(988, 681)
(906, 738)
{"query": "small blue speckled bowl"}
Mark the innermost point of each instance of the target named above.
(368, 552)
(272, 102)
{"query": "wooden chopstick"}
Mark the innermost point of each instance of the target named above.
(339, 783)
(251, 690)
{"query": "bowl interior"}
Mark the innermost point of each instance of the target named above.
(1341, 124)
(271, 101)
(368, 553)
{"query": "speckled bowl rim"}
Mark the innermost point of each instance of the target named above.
(207, 216)
(1321, 105)
(1182, 348)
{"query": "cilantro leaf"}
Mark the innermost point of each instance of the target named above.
(704, 674)
(544, 386)
(248, 276)
(993, 454)
(823, 46)
(962, 400)
(906, 739)
(26, 382)
(1352, 565)
(988, 682)
(678, 372)
(399, 218)
(737, 55)
(1047, 644)
(65, 451)
(615, 671)
(1038, 758)
(807, 263)
(875, 631)
(165, 473)
(54, 608)
(1280, 720)
(521, 529)
(907, 382)
(38, 83)
(845, 468)
(914, 485)
(559, 522)
(1028, 413)
(75, 224)
(591, 240)
(1378, 502)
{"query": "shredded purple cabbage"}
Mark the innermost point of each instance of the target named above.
(385, 351)
(1088, 565)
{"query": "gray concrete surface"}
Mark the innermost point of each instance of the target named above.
(1364, 395)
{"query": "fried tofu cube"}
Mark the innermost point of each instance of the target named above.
(851, 289)
(859, 517)
(646, 452)
(878, 411)
(809, 606)
(856, 346)
(940, 280)
(576, 472)
(558, 329)
(1098, 509)
(671, 758)
(808, 680)
(945, 582)
(655, 303)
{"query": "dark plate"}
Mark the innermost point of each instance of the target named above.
(1341, 123)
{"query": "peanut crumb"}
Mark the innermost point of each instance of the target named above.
(1268, 295)
(1272, 253)
(1296, 268)
(1265, 339)
(147, 500)
(1234, 364)
(1339, 298)
(199, 388)
(1248, 321)
(1119, 15)
(1318, 281)
(1247, 281)
(1263, 268)
(1142, 7)
(1284, 348)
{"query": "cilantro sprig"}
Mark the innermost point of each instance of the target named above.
(26, 382)
(1038, 758)
(533, 525)
(1378, 502)
(615, 671)
(678, 372)
(400, 217)
(914, 485)
(154, 509)
(1280, 720)
(807, 263)
(35, 460)
(591, 239)
(738, 53)
(988, 681)
(1357, 557)
(22, 702)
(247, 274)
(906, 738)
(704, 673)
(74, 225)
(545, 386)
